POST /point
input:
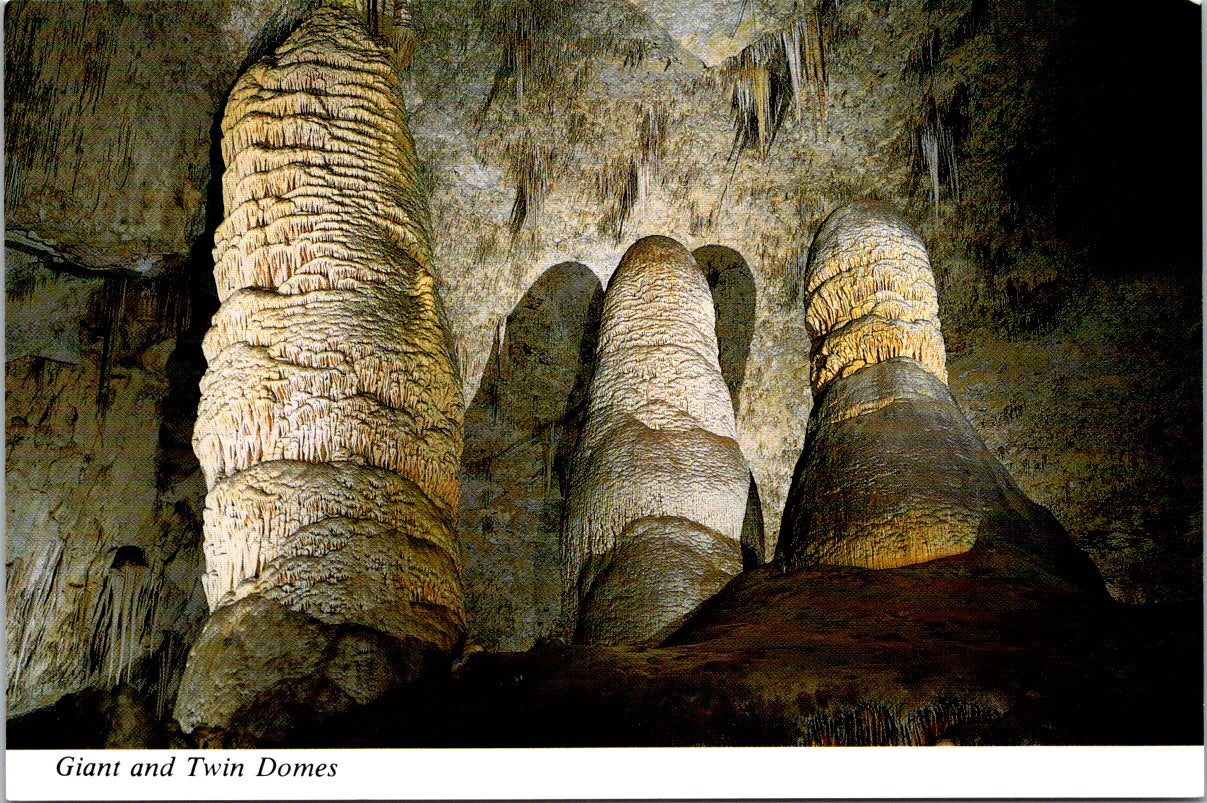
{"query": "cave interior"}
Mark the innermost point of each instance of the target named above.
(533, 373)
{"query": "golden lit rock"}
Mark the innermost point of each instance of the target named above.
(329, 427)
(891, 473)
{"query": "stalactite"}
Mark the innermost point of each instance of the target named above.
(530, 34)
(937, 146)
(791, 40)
(784, 67)
(33, 604)
(935, 140)
(113, 308)
(805, 55)
(170, 663)
(658, 484)
(626, 181)
(329, 427)
(749, 75)
(651, 138)
(123, 620)
(930, 154)
(618, 188)
(550, 447)
(815, 54)
(531, 170)
(948, 148)
(757, 96)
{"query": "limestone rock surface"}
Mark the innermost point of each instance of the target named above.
(870, 295)
(1079, 369)
(270, 670)
(102, 507)
(1061, 414)
(962, 651)
(659, 443)
(715, 30)
(108, 116)
(101, 572)
(661, 567)
(329, 427)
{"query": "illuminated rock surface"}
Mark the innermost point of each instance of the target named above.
(869, 295)
(329, 426)
(1068, 270)
(102, 494)
(658, 485)
(892, 473)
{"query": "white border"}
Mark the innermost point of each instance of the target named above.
(628, 773)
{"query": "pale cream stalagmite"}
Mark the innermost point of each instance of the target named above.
(891, 473)
(658, 483)
(870, 295)
(329, 427)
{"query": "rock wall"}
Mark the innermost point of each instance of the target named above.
(715, 31)
(658, 484)
(520, 434)
(109, 120)
(102, 524)
(1098, 419)
(329, 427)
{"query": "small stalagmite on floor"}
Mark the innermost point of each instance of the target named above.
(658, 484)
(892, 473)
(329, 427)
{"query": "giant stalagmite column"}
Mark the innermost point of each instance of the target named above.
(658, 484)
(330, 422)
(892, 473)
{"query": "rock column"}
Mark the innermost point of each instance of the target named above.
(329, 427)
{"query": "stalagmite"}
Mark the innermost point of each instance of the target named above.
(658, 484)
(329, 427)
(892, 473)
(870, 296)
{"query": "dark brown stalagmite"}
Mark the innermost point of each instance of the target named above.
(329, 428)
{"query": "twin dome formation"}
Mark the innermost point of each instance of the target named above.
(330, 427)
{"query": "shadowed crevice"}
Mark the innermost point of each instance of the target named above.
(520, 432)
(733, 296)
